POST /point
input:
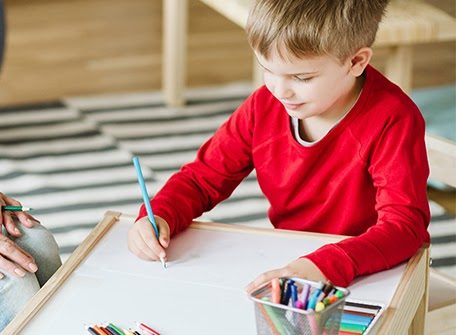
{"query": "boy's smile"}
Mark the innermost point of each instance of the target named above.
(318, 86)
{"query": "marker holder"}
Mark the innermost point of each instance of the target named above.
(278, 319)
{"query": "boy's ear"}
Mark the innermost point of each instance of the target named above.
(359, 61)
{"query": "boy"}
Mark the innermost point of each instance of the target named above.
(337, 148)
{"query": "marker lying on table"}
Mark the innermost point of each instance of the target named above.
(16, 208)
(146, 199)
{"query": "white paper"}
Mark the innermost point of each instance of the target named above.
(201, 291)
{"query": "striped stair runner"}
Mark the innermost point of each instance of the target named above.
(71, 160)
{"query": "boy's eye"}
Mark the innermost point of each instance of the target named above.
(303, 79)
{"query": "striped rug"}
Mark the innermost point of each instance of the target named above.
(71, 161)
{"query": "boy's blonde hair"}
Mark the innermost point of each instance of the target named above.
(313, 27)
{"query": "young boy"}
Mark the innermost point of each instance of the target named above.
(337, 148)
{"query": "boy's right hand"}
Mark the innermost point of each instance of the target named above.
(142, 240)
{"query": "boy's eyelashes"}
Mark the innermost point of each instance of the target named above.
(294, 77)
(303, 79)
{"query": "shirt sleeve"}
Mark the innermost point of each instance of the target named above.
(398, 166)
(220, 165)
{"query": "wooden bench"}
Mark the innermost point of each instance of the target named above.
(406, 23)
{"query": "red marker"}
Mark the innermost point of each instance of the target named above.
(147, 329)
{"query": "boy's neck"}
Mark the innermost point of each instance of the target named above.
(346, 102)
(314, 128)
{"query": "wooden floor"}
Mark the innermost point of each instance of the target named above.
(77, 47)
(61, 48)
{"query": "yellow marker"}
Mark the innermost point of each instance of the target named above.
(319, 307)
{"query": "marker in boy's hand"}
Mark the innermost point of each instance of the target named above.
(300, 268)
(143, 242)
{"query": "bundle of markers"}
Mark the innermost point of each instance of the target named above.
(285, 291)
(296, 306)
(112, 329)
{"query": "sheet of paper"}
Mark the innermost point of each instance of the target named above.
(201, 292)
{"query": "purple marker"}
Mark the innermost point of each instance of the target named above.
(305, 295)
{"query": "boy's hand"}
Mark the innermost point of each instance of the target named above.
(6, 217)
(300, 268)
(142, 240)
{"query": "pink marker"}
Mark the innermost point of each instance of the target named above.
(147, 329)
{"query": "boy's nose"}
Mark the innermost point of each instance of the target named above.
(282, 91)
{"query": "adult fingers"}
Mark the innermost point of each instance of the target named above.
(26, 219)
(2, 203)
(15, 260)
(10, 225)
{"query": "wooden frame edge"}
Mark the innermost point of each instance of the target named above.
(61, 275)
(413, 289)
(268, 231)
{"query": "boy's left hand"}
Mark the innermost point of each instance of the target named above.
(300, 268)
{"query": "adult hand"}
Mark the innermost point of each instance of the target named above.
(6, 217)
(14, 259)
(300, 268)
(142, 240)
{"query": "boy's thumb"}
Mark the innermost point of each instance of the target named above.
(164, 232)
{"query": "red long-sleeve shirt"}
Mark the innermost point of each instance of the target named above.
(366, 178)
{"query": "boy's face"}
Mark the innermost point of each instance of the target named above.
(311, 86)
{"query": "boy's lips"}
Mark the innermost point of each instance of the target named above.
(292, 106)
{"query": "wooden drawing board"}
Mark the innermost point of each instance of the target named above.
(201, 292)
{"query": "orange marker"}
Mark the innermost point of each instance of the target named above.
(275, 290)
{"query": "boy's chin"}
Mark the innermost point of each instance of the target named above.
(297, 114)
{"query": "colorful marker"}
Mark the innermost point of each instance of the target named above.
(92, 331)
(146, 199)
(305, 295)
(116, 329)
(147, 329)
(294, 294)
(275, 287)
(16, 208)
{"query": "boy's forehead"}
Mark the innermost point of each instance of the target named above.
(279, 64)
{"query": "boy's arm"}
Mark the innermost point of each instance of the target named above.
(399, 169)
(221, 164)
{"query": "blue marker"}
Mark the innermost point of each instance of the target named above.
(146, 200)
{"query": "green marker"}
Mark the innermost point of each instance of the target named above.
(16, 208)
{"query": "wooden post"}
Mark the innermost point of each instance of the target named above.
(399, 66)
(175, 13)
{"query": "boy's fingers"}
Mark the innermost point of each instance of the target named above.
(148, 235)
(136, 251)
(264, 278)
(164, 232)
(138, 246)
(10, 225)
(151, 242)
